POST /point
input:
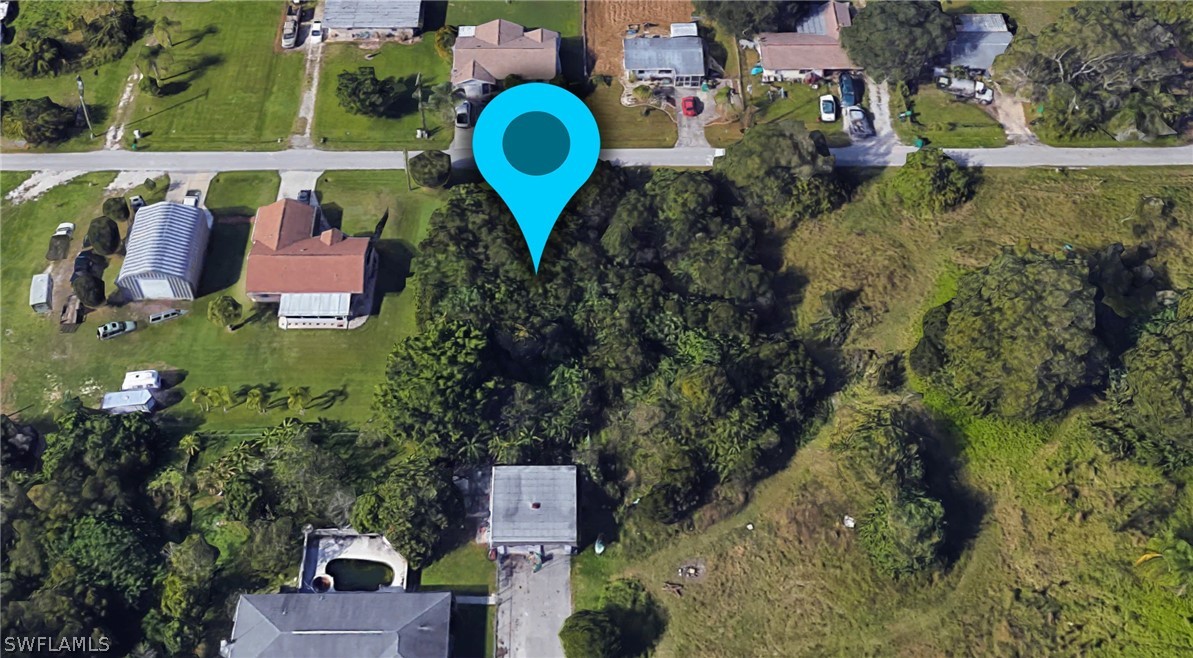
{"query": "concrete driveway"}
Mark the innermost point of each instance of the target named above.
(531, 607)
(691, 129)
(180, 183)
(294, 182)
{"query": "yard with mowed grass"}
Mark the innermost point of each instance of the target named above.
(627, 127)
(468, 571)
(1043, 562)
(232, 87)
(947, 122)
(103, 85)
(340, 368)
(336, 128)
(801, 102)
(1030, 16)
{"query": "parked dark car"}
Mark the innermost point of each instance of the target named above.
(850, 90)
(88, 263)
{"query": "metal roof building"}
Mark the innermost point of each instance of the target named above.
(373, 14)
(980, 38)
(682, 55)
(533, 505)
(164, 252)
(127, 402)
(356, 624)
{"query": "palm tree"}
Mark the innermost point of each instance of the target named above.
(471, 449)
(298, 399)
(256, 399)
(1169, 561)
(223, 396)
(201, 396)
(161, 30)
(190, 444)
(168, 482)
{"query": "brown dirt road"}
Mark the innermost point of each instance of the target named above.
(605, 23)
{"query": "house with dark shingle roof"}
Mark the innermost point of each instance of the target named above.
(812, 51)
(341, 625)
(486, 54)
(319, 281)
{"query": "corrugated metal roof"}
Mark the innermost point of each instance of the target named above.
(319, 304)
(119, 399)
(684, 55)
(358, 624)
(374, 14)
(163, 241)
(977, 50)
(514, 517)
(684, 30)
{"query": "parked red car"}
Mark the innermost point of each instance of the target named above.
(689, 106)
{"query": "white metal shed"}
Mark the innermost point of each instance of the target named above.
(127, 402)
(40, 292)
(138, 379)
(165, 250)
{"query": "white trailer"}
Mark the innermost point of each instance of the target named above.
(41, 289)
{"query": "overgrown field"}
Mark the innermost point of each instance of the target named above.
(1043, 525)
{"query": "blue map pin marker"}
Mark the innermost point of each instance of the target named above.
(536, 144)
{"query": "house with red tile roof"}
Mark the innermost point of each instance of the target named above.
(812, 51)
(319, 277)
(484, 55)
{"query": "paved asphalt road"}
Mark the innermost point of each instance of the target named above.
(878, 153)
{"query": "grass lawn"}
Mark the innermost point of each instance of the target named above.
(802, 103)
(236, 89)
(346, 131)
(467, 570)
(240, 193)
(103, 88)
(949, 123)
(1097, 139)
(626, 127)
(1045, 567)
(42, 366)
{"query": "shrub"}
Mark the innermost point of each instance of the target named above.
(104, 236)
(37, 120)
(224, 311)
(590, 634)
(445, 38)
(903, 536)
(116, 208)
(362, 92)
(931, 182)
(431, 168)
(642, 93)
(90, 290)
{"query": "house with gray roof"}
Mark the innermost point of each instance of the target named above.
(164, 252)
(372, 19)
(341, 625)
(533, 509)
(979, 39)
(674, 60)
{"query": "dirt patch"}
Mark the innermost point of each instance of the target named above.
(606, 23)
(1008, 111)
(40, 183)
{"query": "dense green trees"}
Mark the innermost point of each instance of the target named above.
(413, 506)
(749, 17)
(90, 289)
(431, 168)
(1103, 66)
(33, 54)
(931, 182)
(116, 208)
(362, 92)
(896, 40)
(36, 120)
(1019, 336)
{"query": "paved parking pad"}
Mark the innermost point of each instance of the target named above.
(531, 607)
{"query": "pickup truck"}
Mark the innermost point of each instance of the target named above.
(857, 124)
(966, 89)
(290, 28)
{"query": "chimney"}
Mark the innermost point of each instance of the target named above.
(331, 236)
(535, 505)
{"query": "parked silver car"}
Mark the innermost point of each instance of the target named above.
(114, 329)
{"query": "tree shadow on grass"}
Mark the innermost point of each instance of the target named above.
(225, 256)
(329, 398)
(333, 213)
(394, 269)
(196, 36)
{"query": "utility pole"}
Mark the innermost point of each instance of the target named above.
(418, 86)
(405, 168)
(86, 115)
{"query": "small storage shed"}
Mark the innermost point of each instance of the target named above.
(40, 291)
(127, 402)
(141, 379)
(164, 252)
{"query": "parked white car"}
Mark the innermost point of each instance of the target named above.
(316, 31)
(65, 228)
(828, 108)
